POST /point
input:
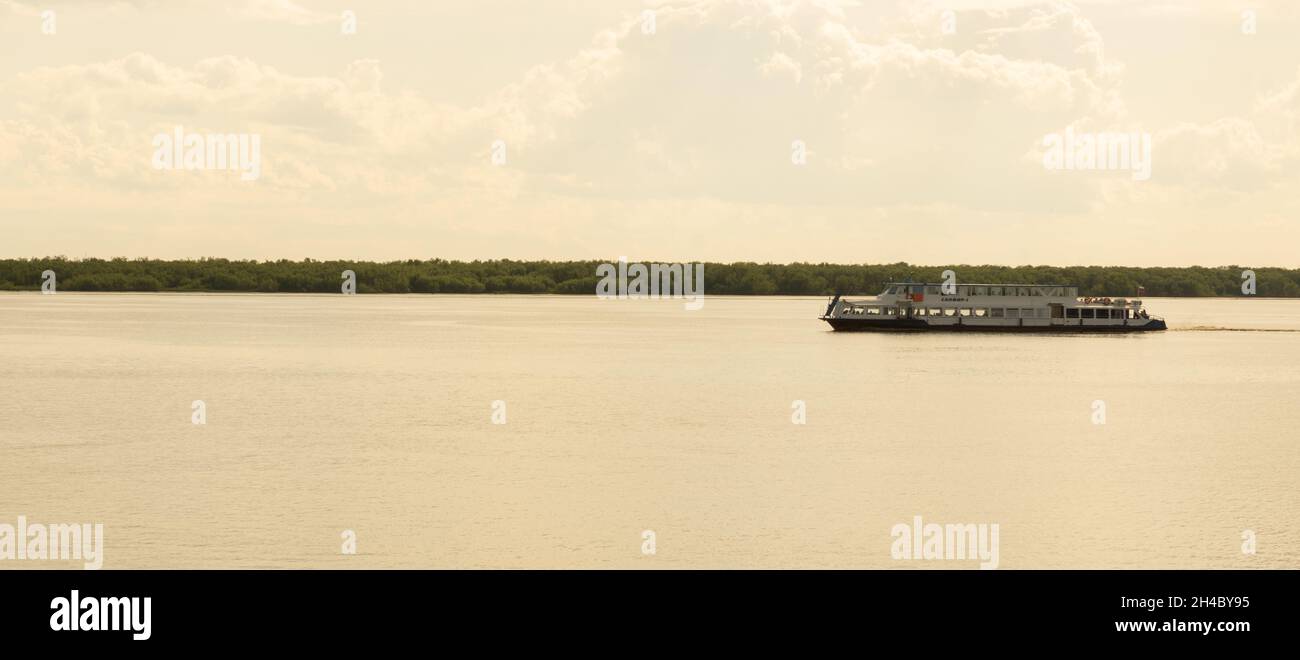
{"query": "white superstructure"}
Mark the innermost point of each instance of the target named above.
(922, 306)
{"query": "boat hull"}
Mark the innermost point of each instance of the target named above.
(920, 325)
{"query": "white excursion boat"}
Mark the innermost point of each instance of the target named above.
(989, 307)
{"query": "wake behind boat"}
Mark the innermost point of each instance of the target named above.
(989, 307)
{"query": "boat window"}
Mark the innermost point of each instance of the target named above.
(874, 311)
(979, 291)
(891, 311)
(1026, 313)
(965, 311)
(980, 311)
(995, 313)
(1103, 313)
(1013, 313)
(936, 311)
(1131, 314)
(1089, 313)
(1072, 313)
(949, 311)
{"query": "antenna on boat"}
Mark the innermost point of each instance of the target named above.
(831, 307)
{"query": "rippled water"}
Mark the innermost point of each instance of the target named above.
(374, 414)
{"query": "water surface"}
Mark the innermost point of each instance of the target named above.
(374, 413)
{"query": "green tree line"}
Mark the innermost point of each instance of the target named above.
(579, 277)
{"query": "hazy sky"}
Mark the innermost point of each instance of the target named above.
(923, 131)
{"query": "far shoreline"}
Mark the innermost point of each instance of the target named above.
(507, 294)
(506, 276)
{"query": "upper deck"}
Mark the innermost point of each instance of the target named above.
(1020, 294)
(911, 289)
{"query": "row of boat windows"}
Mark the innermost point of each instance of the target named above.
(995, 312)
(1089, 313)
(973, 290)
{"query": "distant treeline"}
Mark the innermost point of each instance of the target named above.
(579, 277)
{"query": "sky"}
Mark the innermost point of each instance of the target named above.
(706, 130)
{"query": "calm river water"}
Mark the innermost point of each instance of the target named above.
(375, 414)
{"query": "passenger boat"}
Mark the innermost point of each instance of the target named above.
(989, 307)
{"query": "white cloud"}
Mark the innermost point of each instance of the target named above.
(900, 121)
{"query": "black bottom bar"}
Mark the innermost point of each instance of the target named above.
(330, 608)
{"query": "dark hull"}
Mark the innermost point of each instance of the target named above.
(918, 325)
